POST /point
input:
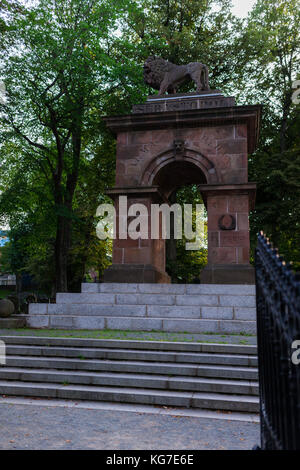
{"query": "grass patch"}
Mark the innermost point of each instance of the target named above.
(5, 292)
(205, 337)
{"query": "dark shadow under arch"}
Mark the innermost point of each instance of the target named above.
(169, 170)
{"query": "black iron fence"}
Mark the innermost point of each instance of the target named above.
(278, 325)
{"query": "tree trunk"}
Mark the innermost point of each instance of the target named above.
(284, 121)
(18, 290)
(77, 270)
(62, 246)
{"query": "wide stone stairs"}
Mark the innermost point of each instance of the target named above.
(190, 375)
(194, 308)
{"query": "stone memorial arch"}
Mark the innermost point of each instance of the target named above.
(173, 140)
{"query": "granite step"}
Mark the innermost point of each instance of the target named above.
(132, 354)
(195, 384)
(165, 368)
(198, 375)
(131, 344)
(216, 401)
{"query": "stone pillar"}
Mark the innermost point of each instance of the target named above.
(228, 209)
(141, 260)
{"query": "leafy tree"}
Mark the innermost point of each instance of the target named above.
(57, 77)
(272, 44)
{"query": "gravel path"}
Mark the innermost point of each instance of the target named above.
(44, 427)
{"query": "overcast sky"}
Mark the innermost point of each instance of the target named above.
(242, 7)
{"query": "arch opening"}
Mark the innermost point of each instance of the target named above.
(178, 181)
(177, 174)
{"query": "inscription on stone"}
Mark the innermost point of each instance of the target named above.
(182, 105)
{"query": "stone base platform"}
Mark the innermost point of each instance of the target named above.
(13, 322)
(228, 274)
(193, 308)
(136, 273)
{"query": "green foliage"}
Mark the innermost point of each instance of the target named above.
(188, 264)
(58, 79)
(273, 49)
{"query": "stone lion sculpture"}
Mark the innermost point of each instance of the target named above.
(164, 76)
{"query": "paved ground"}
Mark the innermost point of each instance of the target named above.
(25, 426)
(135, 335)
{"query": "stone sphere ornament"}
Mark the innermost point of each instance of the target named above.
(7, 308)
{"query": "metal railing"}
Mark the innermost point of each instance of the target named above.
(278, 327)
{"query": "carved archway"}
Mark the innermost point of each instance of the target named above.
(186, 157)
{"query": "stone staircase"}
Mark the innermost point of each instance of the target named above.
(190, 375)
(192, 308)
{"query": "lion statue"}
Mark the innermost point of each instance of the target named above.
(166, 77)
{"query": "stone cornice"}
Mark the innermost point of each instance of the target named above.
(250, 115)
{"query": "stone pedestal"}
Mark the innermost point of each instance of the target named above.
(172, 141)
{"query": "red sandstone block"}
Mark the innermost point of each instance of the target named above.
(128, 243)
(239, 203)
(139, 137)
(221, 132)
(127, 152)
(137, 256)
(239, 161)
(230, 176)
(207, 145)
(241, 131)
(222, 255)
(120, 173)
(242, 221)
(234, 238)
(213, 239)
(221, 162)
(243, 255)
(145, 243)
(189, 134)
(122, 138)
(159, 254)
(197, 138)
(162, 136)
(117, 256)
(133, 166)
(213, 221)
(233, 146)
(217, 204)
